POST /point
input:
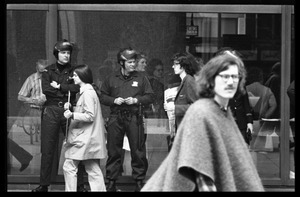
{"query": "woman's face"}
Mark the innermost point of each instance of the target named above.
(141, 64)
(159, 71)
(76, 78)
(226, 83)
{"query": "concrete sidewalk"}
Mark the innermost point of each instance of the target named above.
(123, 188)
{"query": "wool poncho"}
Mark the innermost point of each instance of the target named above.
(209, 142)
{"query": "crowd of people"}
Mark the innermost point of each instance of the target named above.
(208, 147)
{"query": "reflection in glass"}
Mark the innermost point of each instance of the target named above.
(26, 43)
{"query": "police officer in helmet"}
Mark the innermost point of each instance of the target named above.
(124, 91)
(56, 84)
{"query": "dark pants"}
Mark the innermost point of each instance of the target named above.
(18, 152)
(117, 126)
(52, 122)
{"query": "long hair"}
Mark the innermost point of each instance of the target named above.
(205, 79)
(85, 74)
(185, 62)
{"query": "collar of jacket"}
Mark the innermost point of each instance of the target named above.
(132, 74)
(54, 67)
(85, 87)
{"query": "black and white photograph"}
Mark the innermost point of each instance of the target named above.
(150, 97)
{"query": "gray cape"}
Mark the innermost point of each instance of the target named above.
(207, 141)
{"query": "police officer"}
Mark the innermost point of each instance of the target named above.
(56, 83)
(124, 91)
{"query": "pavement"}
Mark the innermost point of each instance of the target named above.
(122, 188)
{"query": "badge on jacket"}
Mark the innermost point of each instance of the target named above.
(134, 84)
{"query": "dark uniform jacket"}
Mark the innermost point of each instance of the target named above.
(186, 95)
(241, 110)
(53, 95)
(136, 86)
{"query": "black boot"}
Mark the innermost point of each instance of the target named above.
(139, 185)
(111, 186)
(41, 188)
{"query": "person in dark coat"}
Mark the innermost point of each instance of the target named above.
(273, 82)
(242, 113)
(239, 104)
(186, 92)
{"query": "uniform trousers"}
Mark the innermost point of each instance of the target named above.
(92, 167)
(117, 126)
(52, 122)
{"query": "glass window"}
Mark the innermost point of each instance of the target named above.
(26, 43)
(159, 36)
(99, 35)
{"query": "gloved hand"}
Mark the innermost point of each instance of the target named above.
(68, 114)
(67, 106)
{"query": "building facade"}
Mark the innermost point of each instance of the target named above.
(263, 34)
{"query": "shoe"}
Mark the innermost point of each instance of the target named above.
(111, 186)
(139, 185)
(81, 188)
(25, 165)
(41, 188)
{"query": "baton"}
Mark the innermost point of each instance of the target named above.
(69, 95)
(140, 125)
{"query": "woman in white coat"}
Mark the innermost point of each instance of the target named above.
(85, 139)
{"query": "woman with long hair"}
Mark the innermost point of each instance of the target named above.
(85, 139)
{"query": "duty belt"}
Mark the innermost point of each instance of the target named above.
(59, 104)
(36, 106)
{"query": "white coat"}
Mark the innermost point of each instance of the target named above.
(86, 139)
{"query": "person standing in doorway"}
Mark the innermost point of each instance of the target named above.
(155, 71)
(141, 62)
(125, 91)
(186, 92)
(56, 83)
(273, 82)
(266, 104)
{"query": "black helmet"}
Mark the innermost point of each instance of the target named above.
(63, 45)
(126, 54)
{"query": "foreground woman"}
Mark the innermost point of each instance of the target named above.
(85, 139)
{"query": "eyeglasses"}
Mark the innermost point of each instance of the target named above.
(225, 77)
